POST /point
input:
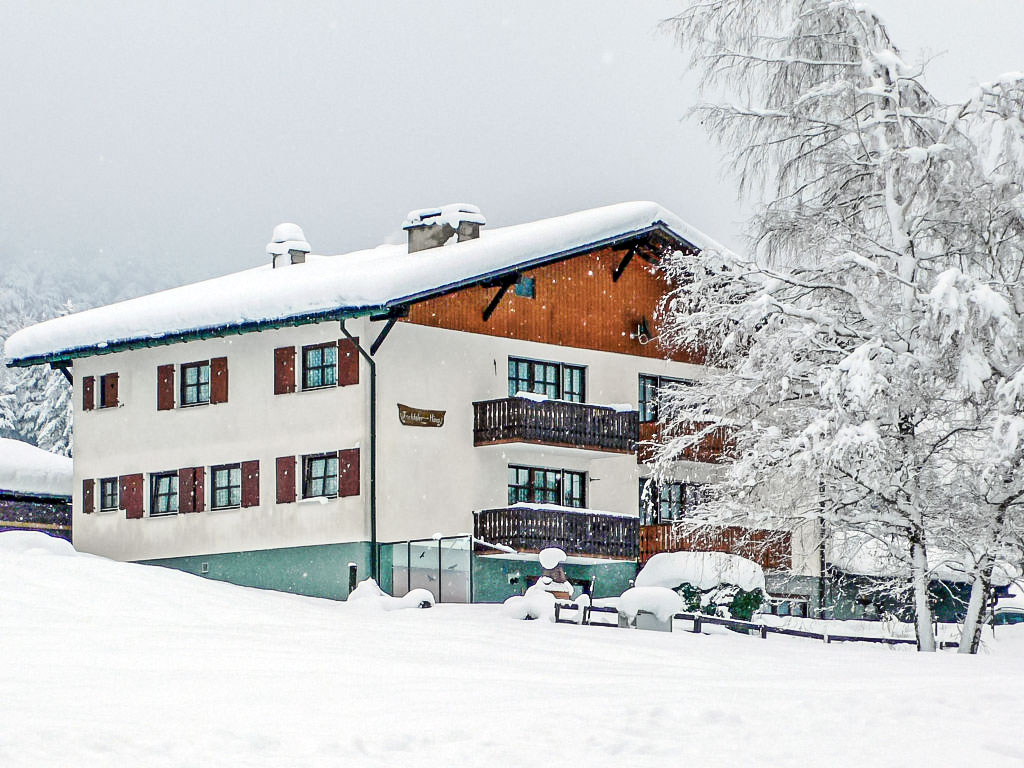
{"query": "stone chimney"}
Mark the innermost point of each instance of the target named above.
(287, 241)
(433, 227)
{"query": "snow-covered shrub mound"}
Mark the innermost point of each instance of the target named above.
(536, 603)
(367, 593)
(661, 601)
(704, 570)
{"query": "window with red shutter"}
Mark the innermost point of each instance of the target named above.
(284, 370)
(88, 496)
(285, 479)
(348, 472)
(108, 391)
(250, 483)
(348, 362)
(219, 380)
(165, 388)
(88, 393)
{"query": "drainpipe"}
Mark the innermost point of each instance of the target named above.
(373, 450)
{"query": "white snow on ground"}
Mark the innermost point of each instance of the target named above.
(27, 469)
(112, 664)
(704, 570)
(357, 281)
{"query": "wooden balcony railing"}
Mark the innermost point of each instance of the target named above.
(577, 532)
(555, 422)
(713, 448)
(772, 550)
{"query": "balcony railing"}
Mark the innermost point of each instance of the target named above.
(713, 448)
(577, 532)
(773, 550)
(555, 422)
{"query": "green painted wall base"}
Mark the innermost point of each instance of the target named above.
(496, 579)
(317, 571)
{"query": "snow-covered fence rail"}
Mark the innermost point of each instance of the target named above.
(699, 620)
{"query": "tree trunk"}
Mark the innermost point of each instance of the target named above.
(970, 635)
(922, 607)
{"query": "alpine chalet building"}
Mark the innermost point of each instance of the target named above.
(432, 413)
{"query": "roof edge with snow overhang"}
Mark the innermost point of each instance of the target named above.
(350, 285)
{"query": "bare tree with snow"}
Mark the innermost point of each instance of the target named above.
(866, 348)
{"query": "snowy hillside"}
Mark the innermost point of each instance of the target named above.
(116, 664)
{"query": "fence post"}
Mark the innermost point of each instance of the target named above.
(828, 640)
(696, 623)
(764, 632)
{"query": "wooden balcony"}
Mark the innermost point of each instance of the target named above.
(772, 550)
(712, 449)
(577, 532)
(555, 422)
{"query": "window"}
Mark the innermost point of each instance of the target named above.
(546, 486)
(163, 494)
(195, 383)
(320, 475)
(108, 391)
(554, 380)
(108, 494)
(648, 398)
(666, 502)
(320, 366)
(226, 490)
(526, 287)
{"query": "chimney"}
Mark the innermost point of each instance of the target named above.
(432, 227)
(289, 241)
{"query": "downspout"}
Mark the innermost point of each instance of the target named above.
(373, 450)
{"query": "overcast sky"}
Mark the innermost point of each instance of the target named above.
(184, 131)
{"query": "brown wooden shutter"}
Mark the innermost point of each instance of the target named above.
(284, 370)
(130, 493)
(348, 362)
(348, 472)
(88, 393)
(88, 496)
(285, 479)
(250, 483)
(186, 489)
(165, 388)
(199, 488)
(109, 390)
(219, 380)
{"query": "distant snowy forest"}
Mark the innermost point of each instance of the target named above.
(35, 403)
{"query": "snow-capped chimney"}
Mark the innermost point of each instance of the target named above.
(431, 227)
(287, 240)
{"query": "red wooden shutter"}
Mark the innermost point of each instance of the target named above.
(199, 488)
(284, 370)
(186, 490)
(219, 380)
(348, 362)
(250, 483)
(88, 496)
(130, 492)
(88, 393)
(348, 472)
(285, 479)
(165, 387)
(109, 390)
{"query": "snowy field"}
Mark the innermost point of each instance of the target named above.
(116, 664)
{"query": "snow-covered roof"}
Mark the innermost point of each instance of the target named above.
(25, 469)
(348, 285)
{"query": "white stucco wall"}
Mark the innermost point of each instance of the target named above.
(429, 480)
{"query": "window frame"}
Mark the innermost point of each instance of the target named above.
(184, 387)
(564, 374)
(647, 396)
(155, 493)
(308, 463)
(105, 482)
(229, 468)
(323, 368)
(553, 489)
(101, 399)
(685, 495)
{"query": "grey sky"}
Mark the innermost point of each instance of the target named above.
(185, 131)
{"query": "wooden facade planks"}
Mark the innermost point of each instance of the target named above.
(577, 304)
(772, 550)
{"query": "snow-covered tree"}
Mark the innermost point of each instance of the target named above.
(864, 352)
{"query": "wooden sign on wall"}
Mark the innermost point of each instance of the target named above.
(420, 417)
